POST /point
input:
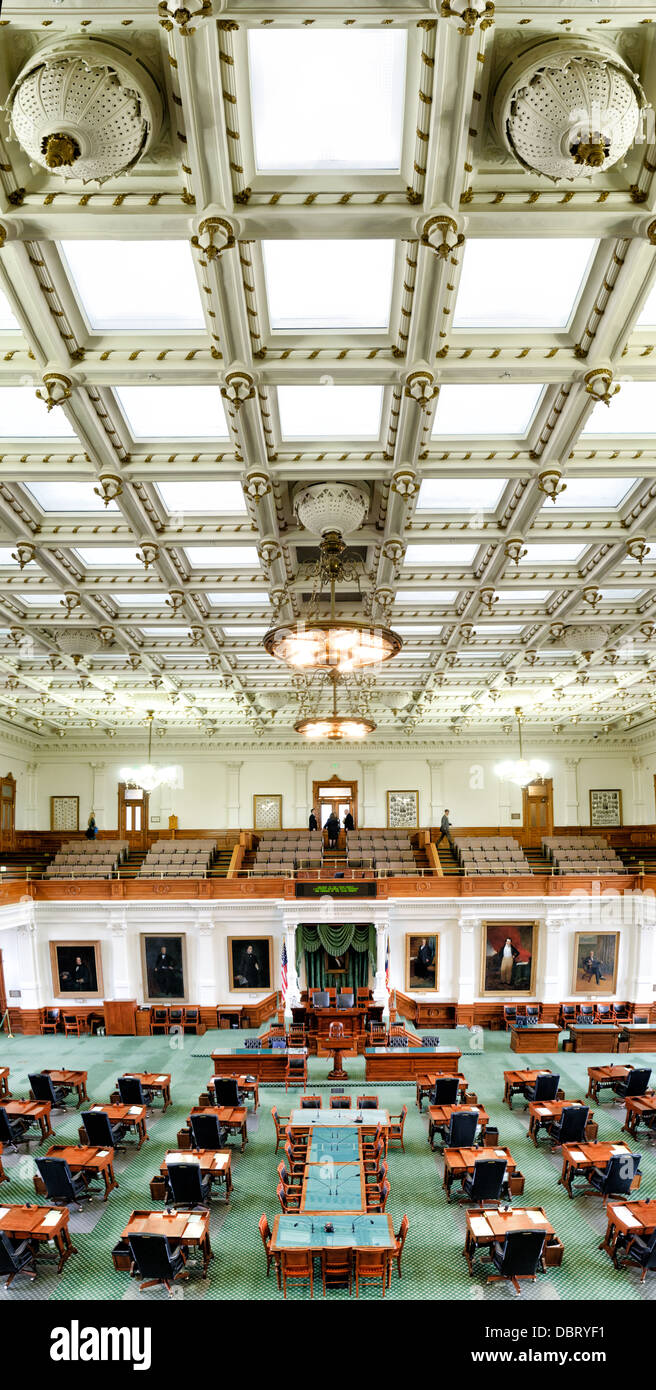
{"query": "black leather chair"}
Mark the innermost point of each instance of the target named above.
(460, 1133)
(320, 999)
(15, 1259)
(155, 1262)
(570, 1129)
(430, 1040)
(517, 1257)
(543, 1088)
(62, 1187)
(207, 1132)
(101, 1133)
(186, 1186)
(132, 1091)
(642, 1253)
(445, 1091)
(226, 1091)
(13, 1130)
(345, 1001)
(616, 1179)
(43, 1089)
(487, 1181)
(637, 1082)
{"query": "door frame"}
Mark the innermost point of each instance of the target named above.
(339, 784)
(531, 834)
(8, 838)
(138, 839)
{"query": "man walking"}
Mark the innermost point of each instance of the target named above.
(445, 832)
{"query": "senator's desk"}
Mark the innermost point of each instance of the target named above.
(594, 1037)
(132, 1116)
(543, 1114)
(265, 1064)
(625, 1220)
(540, 1037)
(230, 1117)
(38, 1110)
(485, 1226)
(641, 1037)
(215, 1164)
(157, 1081)
(301, 1231)
(440, 1115)
(334, 1177)
(308, 1120)
(69, 1081)
(187, 1230)
(602, 1079)
(320, 1021)
(516, 1082)
(459, 1164)
(425, 1084)
(637, 1109)
(407, 1063)
(580, 1159)
(83, 1158)
(40, 1224)
(4, 1083)
(249, 1088)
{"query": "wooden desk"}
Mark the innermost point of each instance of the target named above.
(41, 1224)
(332, 1182)
(214, 1163)
(541, 1037)
(32, 1110)
(625, 1220)
(641, 1036)
(179, 1229)
(594, 1037)
(579, 1159)
(425, 1085)
(365, 1231)
(485, 1226)
(69, 1081)
(157, 1081)
(602, 1078)
(230, 1117)
(250, 1088)
(318, 1024)
(544, 1113)
(637, 1107)
(267, 1064)
(459, 1164)
(407, 1063)
(516, 1082)
(82, 1158)
(440, 1116)
(134, 1116)
(4, 1083)
(306, 1121)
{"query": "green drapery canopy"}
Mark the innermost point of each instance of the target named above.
(336, 939)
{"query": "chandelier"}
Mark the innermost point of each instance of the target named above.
(521, 771)
(329, 644)
(336, 727)
(148, 776)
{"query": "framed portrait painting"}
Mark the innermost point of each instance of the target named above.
(76, 969)
(595, 962)
(250, 962)
(605, 806)
(164, 968)
(508, 958)
(421, 962)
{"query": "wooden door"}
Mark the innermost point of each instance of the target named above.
(7, 812)
(133, 816)
(537, 800)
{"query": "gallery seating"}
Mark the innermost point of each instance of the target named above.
(386, 851)
(284, 851)
(178, 859)
(88, 859)
(488, 854)
(581, 854)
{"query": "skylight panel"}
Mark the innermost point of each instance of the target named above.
(329, 284)
(522, 282)
(47, 598)
(68, 497)
(620, 595)
(327, 99)
(214, 498)
(413, 597)
(99, 556)
(240, 599)
(552, 554)
(120, 285)
(647, 318)
(222, 556)
(418, 629)
(173, 412)
(164, 632)
(527, 596)
(485, 409)
(440, 554)
(8, 321)
(593, 492)
(330, 412)
(139, 600)
(24, 416)
(460, 494)
(631, 411)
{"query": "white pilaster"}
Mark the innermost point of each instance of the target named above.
(551, 991)
(643, 963)
(232, 799)
(467, 958)
(505, 801)
(436, 770)
(98, 805)
(28, 963)
(207, 989)
(639, 813)
(293, 991)
(380, 989)
(301, 802)
(28, 814)
(369, 809)
(118, 928)
(572, 809)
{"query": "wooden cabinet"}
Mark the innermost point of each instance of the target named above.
(120, 1016)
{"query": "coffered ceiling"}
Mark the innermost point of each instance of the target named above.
(326, 266)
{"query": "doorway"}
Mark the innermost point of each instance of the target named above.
(537, 806)
(133, 816)
(7, 811)
(335, 795)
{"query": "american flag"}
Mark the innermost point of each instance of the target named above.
(283, 972)
(387, 966)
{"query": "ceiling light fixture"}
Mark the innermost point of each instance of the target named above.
(335, 727)
(148, 776)
(521, 771)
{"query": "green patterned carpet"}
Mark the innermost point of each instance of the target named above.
(433, 1264)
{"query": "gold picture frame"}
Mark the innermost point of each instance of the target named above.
(262, 965)
(63, 965)
(594, 945)
(393, 823)
(429, 967)
(509, 977)
(260, 799)
(154, 976)
(605, 808)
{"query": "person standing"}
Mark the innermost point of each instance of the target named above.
(445, 832)
(313, 824)
(349, 823)
(92, 829)
(332, 826)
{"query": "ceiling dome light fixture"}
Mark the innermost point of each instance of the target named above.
(337, 728)
(148, 776)
(521, 771)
